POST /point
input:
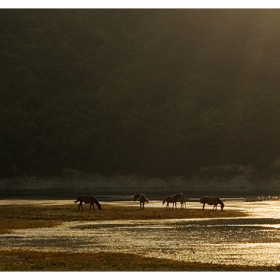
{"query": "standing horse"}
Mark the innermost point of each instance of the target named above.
(179, 197)
(183, 201)
(168, 199)
(88, 199)
(212, 200)
(142, 198)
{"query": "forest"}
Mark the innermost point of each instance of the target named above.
(151, 92)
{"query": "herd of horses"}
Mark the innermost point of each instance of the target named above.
(170, 199)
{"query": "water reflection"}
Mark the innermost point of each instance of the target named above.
(241, 241)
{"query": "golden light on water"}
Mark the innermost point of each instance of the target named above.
(253, 240)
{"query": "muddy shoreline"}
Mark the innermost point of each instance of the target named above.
(52, 235)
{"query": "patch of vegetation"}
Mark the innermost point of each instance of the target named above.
(159, 92)
(19, 260)
(39, 215)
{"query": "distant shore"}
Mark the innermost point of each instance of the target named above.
(78, 183)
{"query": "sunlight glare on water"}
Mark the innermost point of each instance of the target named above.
(253, 240)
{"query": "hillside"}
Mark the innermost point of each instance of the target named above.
(155, 93)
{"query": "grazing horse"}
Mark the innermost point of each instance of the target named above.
(142, 198)
(212, 200)
(168, 199)
(88, 199)
(179, 197)
(183, 201)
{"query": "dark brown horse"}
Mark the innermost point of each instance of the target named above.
(142, 199)
(212, 200)
(182, 200)
(88, 199)
(179, 197)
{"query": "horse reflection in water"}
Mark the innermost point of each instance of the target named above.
(142, 199)
(212, 200)
(179, 197)
(88, 199)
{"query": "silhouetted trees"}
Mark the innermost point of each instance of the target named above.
(150, 92)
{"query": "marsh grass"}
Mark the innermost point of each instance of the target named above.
(16, 215)
(43, 214)
(19, 260)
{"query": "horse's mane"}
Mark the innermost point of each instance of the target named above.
(165, 199)
(97, 203)
(220, 201)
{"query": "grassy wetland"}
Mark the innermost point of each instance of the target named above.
(52, 235)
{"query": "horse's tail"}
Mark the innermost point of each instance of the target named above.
(143, 198)
(80, 198)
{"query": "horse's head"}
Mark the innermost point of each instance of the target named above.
(136, 196)
(78, 199)
(166, 199)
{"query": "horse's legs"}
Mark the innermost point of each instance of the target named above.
(203, 206)
(80, 206)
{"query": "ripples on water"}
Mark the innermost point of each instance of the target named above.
(241, 241)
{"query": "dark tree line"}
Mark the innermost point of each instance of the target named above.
(150, 92)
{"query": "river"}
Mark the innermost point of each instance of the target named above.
(253, 240)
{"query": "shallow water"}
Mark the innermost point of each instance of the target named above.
(254, 240)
